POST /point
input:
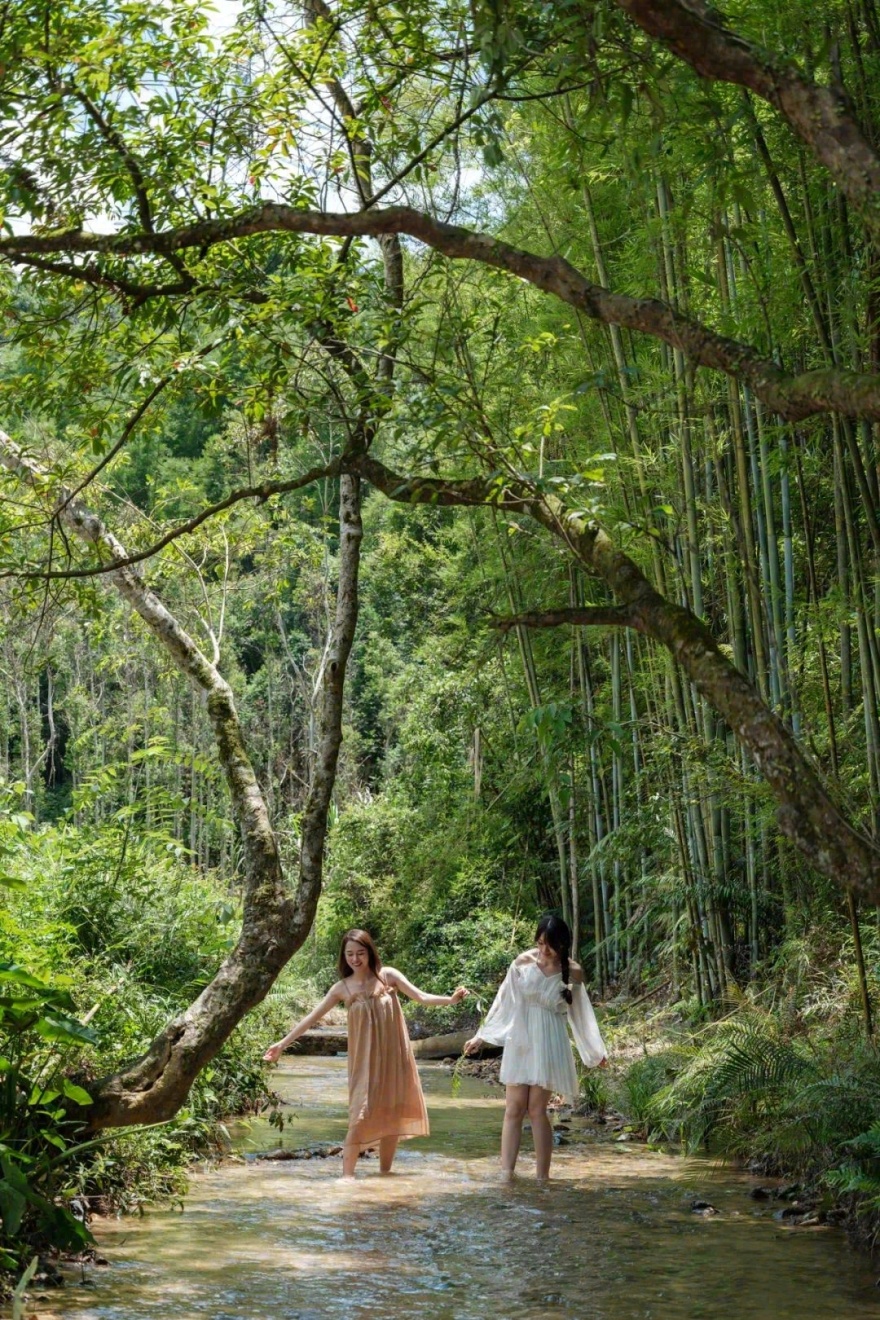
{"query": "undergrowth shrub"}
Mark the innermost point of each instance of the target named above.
(39, 1130)
(799, 1104)
(644, 1079)
(595, 1092)
(104, 936)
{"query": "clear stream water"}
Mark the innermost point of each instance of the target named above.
(612, 1237)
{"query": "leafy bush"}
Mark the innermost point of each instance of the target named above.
(736, 1085)
(39, 1131)
(138, 905)
(119, 932)
(805, 1106)
(856, 1179)
(595, 1092)
(643, 1081)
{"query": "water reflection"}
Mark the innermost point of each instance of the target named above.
(611, 1238)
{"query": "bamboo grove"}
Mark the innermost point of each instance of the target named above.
(199, 313)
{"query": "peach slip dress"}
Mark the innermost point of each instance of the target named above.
(385, 1094)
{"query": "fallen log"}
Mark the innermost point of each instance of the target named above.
(449, 1046)
(321, 1040)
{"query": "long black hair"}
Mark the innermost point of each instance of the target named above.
(557, 934)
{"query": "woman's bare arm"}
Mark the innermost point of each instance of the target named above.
(333, 997)
(396, 978)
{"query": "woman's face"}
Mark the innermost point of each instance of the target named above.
(544, 949)
(357, 957)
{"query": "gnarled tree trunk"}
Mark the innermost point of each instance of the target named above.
(275, 921)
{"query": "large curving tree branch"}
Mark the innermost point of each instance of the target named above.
(820, 116)
(591, 616)
(274, 922)
(792, 397)
(805, 812)
(261, 492)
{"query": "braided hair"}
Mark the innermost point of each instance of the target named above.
(556, 933)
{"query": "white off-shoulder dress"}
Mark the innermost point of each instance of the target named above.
(529, 1018)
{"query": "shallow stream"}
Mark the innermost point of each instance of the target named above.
(612, 1237)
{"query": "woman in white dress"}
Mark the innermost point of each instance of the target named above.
(542, 995)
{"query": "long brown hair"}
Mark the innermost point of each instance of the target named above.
(364, 938)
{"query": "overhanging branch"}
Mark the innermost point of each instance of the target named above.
(264, 491)
(590, 616)
(93, 275)
(820, 116)
(791, 397)
(805, 812)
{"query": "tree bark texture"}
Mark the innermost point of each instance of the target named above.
(819, 115)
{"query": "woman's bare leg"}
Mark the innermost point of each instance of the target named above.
(350, 1152)
(515, 1109)
(542, 1132)
(387, 1148)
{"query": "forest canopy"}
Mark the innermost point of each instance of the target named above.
(450, 430)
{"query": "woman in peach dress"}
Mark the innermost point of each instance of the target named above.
(385, 1100)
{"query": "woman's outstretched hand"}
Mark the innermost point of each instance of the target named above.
(460, 993)
(473, 1045)
(273, 1053)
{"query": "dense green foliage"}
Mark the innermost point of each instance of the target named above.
(110, 936)
(786, 1096)
(486, 774)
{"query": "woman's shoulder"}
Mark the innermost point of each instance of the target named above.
(337, 990)
(523, 959)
